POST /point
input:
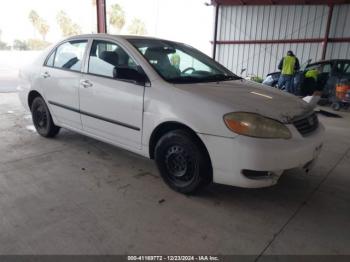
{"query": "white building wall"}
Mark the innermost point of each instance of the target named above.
(276, 23)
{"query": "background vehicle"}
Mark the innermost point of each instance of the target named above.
(332, 72)
(272, 78)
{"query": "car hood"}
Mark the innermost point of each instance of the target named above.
(247, 96)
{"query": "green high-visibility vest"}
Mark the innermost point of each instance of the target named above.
(288, 65)
(313, 73)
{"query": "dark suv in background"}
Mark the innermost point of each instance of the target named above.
(331, 72)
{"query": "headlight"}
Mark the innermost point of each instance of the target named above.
(254, 125)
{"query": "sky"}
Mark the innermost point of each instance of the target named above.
(188, 21)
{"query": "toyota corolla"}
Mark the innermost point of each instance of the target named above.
(169, 102)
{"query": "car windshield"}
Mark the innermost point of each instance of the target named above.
(179, 63)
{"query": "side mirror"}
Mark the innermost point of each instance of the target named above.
(130, 74)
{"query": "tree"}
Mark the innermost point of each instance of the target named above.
(137, 27)
(68, 27)
(37, 44)
(39, 24)
(34, 18)
(20, 45)
(43, 29)
(4, 46)
(117, 17)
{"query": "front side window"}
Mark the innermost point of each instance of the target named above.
(70, 54)
(106, 57)
(321, 67)
(179, 63)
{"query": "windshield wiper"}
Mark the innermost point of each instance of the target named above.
(211, 78)
(184, 79)
(221, 77)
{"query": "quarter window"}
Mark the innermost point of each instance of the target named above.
(49, 61)
(70, 55)
(105, 57)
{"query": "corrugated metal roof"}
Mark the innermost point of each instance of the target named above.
(279, 2)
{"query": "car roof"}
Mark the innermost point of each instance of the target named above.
(329, 61)
(115, 36)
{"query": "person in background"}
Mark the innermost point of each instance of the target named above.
(288, 66)
(310, 83)
(175, 60)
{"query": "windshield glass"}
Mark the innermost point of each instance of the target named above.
(179, 63)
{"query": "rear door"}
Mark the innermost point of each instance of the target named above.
(111, 108)
(60, 78)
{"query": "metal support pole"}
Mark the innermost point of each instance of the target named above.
(215, 29)
(101, 16)
(326, 36)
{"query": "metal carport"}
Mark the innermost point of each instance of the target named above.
(256, 34)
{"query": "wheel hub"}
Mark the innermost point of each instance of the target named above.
(180, 164)
(40, 116)
(177, 161)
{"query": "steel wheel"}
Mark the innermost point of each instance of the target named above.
(183, 161)
(42, 119)
(40, 116)
(180, 165)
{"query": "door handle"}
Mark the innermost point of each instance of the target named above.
(45, 74)
(85, 83)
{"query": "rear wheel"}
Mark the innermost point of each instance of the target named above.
(42, 119)
(182, 161)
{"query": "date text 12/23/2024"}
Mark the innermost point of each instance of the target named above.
(174, 258)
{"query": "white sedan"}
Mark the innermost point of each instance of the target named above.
(169, 102)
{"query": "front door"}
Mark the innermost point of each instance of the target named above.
(110, 108)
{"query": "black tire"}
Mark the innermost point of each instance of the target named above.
(182, 161)
(42, 119)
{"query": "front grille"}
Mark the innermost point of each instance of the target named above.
(306, 125)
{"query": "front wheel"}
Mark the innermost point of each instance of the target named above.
(183, 161)
(42, 119)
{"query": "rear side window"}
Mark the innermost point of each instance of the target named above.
(69, 55)
(346, 68)
(343, 67)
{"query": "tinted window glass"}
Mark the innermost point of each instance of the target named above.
(70, 54)
(326, 68)
(49, 61)
(343, 67)
(106, 56)
(347, 68)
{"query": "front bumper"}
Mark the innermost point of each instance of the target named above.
(230, 156)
